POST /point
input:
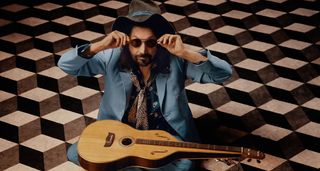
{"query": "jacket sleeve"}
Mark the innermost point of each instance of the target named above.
(73, 64)
(214, 70)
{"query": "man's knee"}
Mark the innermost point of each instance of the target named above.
(72, 154)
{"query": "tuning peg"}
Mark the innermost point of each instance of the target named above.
(227, 161)
(249, 160)
(258, 161)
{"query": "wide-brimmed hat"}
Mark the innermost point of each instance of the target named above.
(145, 13)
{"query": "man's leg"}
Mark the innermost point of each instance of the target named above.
(72, 153)
(179, 165)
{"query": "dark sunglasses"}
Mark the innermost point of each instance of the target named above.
(149, 43)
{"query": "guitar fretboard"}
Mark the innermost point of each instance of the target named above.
(189, 145)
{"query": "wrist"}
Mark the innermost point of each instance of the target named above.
(95, 48)
(183, 53)
(192, 56)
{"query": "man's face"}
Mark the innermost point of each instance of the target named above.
(143, 45)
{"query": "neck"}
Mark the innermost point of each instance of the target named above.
(145, 70)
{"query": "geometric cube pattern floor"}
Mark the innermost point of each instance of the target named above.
(271, 103)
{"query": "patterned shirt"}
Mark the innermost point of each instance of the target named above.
(155, 116)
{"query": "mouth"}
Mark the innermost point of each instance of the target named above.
(144, 59)
(141, 58)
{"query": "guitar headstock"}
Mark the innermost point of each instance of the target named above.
(245, 153)
(252, 154)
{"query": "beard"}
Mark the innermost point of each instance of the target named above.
(143, 59)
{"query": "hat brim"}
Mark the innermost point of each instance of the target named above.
(156, 22)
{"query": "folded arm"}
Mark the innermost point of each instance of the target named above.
(213, 70)
(74, 64)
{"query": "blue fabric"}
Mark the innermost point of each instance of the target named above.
(170, 86)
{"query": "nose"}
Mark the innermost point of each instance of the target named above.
(142, 48)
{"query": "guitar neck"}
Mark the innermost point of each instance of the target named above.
(190, 145)
(199, 151)
(212, 151)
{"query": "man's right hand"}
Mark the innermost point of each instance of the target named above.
(113, 40)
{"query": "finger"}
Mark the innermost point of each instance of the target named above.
(116, 40)
(128, 39)
(171, 39)
(160, 41)
(166, 40)
(120, 39)
(123, 39)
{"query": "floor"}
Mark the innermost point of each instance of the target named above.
(271, 103)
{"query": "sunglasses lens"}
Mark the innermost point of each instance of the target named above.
(136, 42)
(151, 43)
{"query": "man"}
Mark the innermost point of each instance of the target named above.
(145, 65)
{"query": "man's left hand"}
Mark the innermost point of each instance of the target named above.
(172, 43)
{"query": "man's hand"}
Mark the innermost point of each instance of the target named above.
(174, 45)
(113, 40)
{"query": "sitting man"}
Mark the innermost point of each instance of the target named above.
(145, 65)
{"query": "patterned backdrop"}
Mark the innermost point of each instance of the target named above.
(271, 103)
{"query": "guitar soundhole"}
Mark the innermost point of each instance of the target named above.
(126, 141)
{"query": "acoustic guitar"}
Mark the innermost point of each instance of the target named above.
(112, 145)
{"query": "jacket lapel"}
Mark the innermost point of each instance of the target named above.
(161, 82)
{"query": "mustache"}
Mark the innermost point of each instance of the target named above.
(146, 55)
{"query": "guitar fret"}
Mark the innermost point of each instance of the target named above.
(184, 144)
(189, 145)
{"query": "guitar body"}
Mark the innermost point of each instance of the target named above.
(94, 155)
(112, 145)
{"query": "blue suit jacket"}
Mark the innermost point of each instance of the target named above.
(170, 86)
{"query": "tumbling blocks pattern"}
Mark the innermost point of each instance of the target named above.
(271, 103)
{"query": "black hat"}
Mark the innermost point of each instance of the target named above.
(145, 13)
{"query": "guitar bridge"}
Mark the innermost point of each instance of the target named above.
(109, 139)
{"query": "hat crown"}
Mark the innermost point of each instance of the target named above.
(144, 13)
(143, 7)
